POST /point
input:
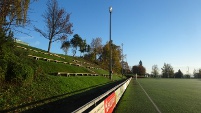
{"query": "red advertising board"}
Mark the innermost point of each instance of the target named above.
(110, 103)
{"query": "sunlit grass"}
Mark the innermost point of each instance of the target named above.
(170, 95)
(47, 87)
(134, 100)
(52, 67)
(174, 95)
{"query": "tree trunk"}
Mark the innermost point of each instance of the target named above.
(49, 46)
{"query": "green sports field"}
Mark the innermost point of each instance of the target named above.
(169, 95)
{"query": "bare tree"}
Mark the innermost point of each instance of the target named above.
(155, 70)
(57, 23)
(96, 46)
(167, 71)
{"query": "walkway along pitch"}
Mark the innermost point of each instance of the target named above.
(136, 100)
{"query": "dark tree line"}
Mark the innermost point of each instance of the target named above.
(197, 73)
(167, 72)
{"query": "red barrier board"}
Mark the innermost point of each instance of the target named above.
(110, 103)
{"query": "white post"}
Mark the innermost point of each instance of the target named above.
(135, 76)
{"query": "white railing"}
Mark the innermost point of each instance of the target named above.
(109, 103)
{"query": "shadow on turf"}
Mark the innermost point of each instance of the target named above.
(65, 104)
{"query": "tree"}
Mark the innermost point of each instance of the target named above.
(88, 49)
(187, 76)
(139, 69)
(83, 46)
(6, 44)
(116, 57)
(65, 46)
(96, 46)
(89, 57)
(57, 23)
(155, 70)
(197, 73)
(76, 42)
(167, 71)
(125, 67)
(13, 11)
(178, 74)
(140, 63)
(135, 69)
(106, 55)
(13, 14)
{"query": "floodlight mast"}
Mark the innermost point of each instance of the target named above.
(110, 45)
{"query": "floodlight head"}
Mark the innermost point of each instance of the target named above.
(110, 9)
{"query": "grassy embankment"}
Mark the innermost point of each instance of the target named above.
(170, 95)
(48, 88)
(52, 67)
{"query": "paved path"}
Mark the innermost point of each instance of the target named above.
(135, 100)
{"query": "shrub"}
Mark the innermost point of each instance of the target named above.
(15, 66)
(38, 73)
(2, 77)
(3, 67)
(19, 73)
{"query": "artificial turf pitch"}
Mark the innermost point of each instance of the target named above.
(170, 96)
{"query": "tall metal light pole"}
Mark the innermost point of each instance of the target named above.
(122, 60)
(110, 45)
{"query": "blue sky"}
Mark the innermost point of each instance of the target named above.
(154, 31)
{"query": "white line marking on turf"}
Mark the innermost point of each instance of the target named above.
(150, 98)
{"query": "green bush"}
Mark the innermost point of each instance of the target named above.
(15, 66)
(19, 73)
(2, 77)
(38, 73)
(3, 68)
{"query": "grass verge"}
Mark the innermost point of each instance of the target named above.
(46, 89)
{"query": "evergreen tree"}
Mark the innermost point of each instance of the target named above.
(178, 74)
(140, 63)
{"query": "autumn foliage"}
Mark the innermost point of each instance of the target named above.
(139, 69)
